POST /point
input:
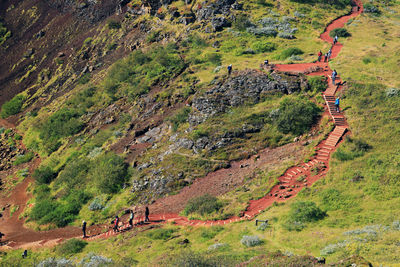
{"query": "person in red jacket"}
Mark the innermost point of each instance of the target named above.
(319, 56)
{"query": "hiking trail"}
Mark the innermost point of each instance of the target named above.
(290, 183)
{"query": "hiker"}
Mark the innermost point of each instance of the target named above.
(326, 57)
(116, 222)
(334, 73)
(337, 103)
(319, 56)
(131, 217)
(230, 69)
(25, 254)
(84, 229)
(146, 214)
(266, 62)
(329, 54)
(335, 40)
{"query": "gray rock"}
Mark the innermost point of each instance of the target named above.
(247, 87)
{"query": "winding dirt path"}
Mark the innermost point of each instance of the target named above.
(166, 209)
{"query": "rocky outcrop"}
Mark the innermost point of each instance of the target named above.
(208, 11)
(90, 10)
(246, 87)
(8, 151)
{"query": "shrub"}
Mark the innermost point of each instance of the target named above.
(286, 35)
(97, 204)
(112, 24)
(12, 107)
(51, 262)
(160, 234)
(205, 204)
(71, 246)
(191, 258)
(263, 47)
(218, 246)
(241, 23)
(264, 31)
(292, 51)
(93, 260)
(296, 115)
(214, 58)
(180, 117)
(20, 159)
(4, 33)
(370, 8)
(44, 175)
(109, 172)
(317, 83)
(74, 174)
(302, 212)
(47, 210)
(392, 92)
(340, 32)
(251, 241)
(84, 79)
(64, 122)
(135, 74)
(353, 149)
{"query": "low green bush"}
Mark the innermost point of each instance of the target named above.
(214, 58)
(302, 212)
(12, 107)
(263, 47)
(340, 32)
(112, 24)
(23, 158)
(205, 204)
(71, 246)
(135, 74)
(370, 8)
(352, 149)
(44, 175)
(317, 83)
(109, 172)
(180, 117)
(63, 123)
(292, 51)
(62, 212)
(296, 115)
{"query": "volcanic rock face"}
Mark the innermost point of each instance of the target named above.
(247, 87)
(90, 10)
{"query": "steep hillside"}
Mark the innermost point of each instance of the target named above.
(124, 104)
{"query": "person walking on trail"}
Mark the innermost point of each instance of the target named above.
(230, 69)
(131, 217)
(329, 54)
(116, 223)
(334, 74)
(266, 62)
(337, 103)
(84, 229)
(319, 56)
(335, 40)
(146, 214)
(326, 57)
